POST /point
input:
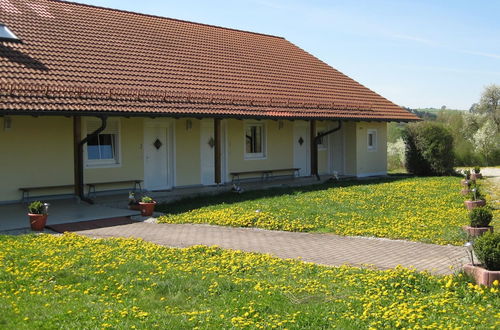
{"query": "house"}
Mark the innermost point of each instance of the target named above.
(109, 97)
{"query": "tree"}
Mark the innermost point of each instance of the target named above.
(490, 104)
(486, 140)
(429, 149)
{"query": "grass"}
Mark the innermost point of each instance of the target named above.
(71, 281)
(428, 209)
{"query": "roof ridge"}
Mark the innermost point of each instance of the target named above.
(163, 17)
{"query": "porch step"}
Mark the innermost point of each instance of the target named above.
(92, 224)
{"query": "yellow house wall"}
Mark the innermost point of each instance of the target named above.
(371, 162)
(187, 158)
(350, 148)
(35, 152)
(131, 165)
(279, 146)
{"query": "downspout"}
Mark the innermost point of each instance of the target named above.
(316, 141)
(80, 184)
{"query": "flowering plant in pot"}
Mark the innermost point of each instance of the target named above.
(487, 250)
(147, 206)
(38, 213)
(476, 173)
(480, 218)
(466, 182)
(474, 199)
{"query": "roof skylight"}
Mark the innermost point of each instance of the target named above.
(7, 35)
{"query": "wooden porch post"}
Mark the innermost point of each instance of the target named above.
(78, 155)
(314, 149)
(217, 150)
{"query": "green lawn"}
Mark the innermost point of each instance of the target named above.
(418, 209)
(71, 282)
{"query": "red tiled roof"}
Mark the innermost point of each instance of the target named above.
(83, 58)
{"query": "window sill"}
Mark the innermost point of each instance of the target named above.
(251, 157)
(97, 165)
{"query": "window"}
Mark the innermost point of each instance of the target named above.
(254, 141)
(323, 142)
(372, 140)
(104, 148)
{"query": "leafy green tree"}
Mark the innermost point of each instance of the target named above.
(429, 149)
(490, 104)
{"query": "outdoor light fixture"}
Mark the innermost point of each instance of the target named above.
(7, 123)
(7, 35)
(470, 249)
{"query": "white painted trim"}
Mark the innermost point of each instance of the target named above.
(364, 175)
(256, 156)
(91, 164)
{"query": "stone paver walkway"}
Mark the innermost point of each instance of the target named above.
(326, 249)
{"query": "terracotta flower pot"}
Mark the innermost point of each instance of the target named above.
(475, 176)
(465, 183)
(465, 191)
(477, 231)
(37, 221)
(482, 275)
(473, 204)
(147, 209)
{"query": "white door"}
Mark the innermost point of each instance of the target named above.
(156, 154)
(301, 158)
(207, 152)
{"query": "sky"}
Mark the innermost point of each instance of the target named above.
(425, 53)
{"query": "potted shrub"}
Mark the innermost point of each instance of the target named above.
(474, 199)
(476, 173)
(466, 187)
(147, 206)
(480, 218)
(487, 250)
(38, 213)
(466, 182)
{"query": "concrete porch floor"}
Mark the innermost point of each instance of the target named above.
(14, 216)
(115, 204)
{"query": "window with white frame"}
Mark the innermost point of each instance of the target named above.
(254, 141)
(372, 139)
(103, 149)
(322, 142)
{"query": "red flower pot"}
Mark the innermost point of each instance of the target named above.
(475, 176)
(465, 191)
(473, 204)
(476, 231)
(37, 221)
(465, 183)
(147, 209)
(482, 275)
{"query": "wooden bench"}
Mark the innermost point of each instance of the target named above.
(26, 190)
(265, 174)
(91, 187)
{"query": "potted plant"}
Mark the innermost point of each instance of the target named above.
(487, 250)
(480, 218)
(38, 213)
(147, 206)
(475, 199)
(466, 182)
(476, 173)
(133, 204)
(466, 187)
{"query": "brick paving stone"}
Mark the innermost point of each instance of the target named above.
(325, 249)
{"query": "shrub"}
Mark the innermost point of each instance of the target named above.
(474, 194)
(467, 174)
(487, 250)
(147, 199)
(477, 169)
(429, 149)
(480, 217)
(37, 207)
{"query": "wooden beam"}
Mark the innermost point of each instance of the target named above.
(314, 149)
(217, 151)
(77, 155)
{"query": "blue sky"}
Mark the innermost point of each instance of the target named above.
(415, 53)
